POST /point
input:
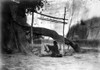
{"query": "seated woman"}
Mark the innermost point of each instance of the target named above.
(53, 49)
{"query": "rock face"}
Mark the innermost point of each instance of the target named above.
(88, 29)
(87, 33)
(78, 32)
(93, 28)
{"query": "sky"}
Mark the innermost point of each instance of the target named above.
(93, 9)
(83, 10)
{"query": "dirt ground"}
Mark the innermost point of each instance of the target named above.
(89, 60)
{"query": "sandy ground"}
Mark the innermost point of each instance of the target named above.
(84, 61)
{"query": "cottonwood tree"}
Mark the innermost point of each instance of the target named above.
(15, 29)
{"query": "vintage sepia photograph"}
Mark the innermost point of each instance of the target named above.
(49, 34)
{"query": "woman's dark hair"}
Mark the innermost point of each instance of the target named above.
(82, 22)
(54, 42)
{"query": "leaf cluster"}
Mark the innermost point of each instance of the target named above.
(31, 5)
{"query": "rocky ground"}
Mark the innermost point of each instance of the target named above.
(89, 60)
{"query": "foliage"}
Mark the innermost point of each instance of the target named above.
(31, 5)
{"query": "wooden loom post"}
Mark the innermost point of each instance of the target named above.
(31, 34)
(64, 28)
